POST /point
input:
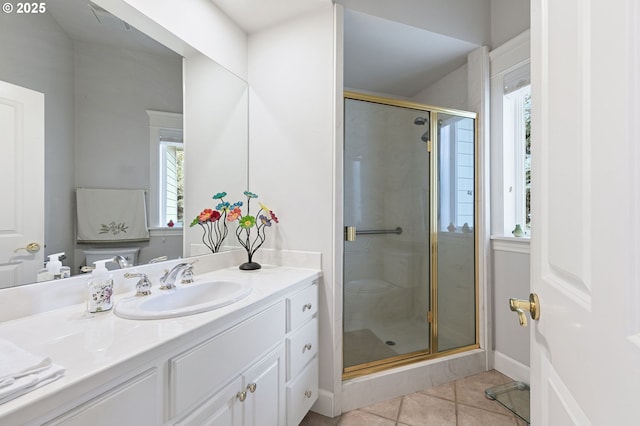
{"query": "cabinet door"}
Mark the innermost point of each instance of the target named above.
(223, 409)
(264, 384)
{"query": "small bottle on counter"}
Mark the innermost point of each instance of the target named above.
(100, 288)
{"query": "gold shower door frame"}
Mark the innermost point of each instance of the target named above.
(432, 145)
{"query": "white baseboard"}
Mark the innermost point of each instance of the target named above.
(511, 367)
(325, 403)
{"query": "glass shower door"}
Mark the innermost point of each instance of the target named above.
(386, 250)
(455, 270)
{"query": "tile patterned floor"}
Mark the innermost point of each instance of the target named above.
(459, 403)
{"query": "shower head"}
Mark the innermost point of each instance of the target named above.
(420, 121)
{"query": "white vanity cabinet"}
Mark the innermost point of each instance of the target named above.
(286, 377)
(256, 365)
(249, 355)
(302, 353)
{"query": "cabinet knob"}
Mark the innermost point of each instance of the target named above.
(241, 396)
(308, 394)
(306, 347)
(307, 306)
(252, 387)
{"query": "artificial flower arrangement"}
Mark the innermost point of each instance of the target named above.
(250, 231)
(214, 222)
(247, 223)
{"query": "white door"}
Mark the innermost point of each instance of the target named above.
(22, 184)
(585, 244)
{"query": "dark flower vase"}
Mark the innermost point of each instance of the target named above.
(250, 266)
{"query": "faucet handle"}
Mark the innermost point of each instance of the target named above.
(143, 286)
(187, 275)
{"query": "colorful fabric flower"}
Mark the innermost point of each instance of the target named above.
(273, 216)
(223, 206)
(208, 215)
(234, 214)
(250, 194)
(263, 207)
(219, 195)
(247, 221)
(236, 204)
(265, 220)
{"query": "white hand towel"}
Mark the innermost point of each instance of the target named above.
(28, 383)
(16, 362)
(22, 371)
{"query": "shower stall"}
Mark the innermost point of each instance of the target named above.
(410, 272)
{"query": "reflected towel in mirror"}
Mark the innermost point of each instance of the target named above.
(111, 215)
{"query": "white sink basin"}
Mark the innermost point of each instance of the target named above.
(185, 300)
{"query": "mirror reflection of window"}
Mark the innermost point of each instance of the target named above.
(171, 181)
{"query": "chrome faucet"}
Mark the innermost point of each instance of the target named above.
(168, 280)
(143, 286)
(121, 260)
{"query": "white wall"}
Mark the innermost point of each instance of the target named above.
(510, 279)
(510, 264)
(216, 108)
(448, 92)
(462, 19)
(508, 19)
(187, 26)
(39, 55)
(292, 131)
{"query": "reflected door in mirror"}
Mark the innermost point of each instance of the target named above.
(22, 189)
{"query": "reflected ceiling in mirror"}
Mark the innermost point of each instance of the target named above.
(100, 76)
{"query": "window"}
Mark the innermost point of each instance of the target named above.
(171, 160)
(166, 152)
(516, 138)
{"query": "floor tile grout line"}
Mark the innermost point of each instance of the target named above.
(400, 409)
(455, 398)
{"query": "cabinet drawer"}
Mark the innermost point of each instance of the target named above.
(302, 346)
(137, 401)
(302, 393)
(301, 307)
(200, 371)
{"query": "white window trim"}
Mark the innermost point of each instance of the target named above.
(504, 59)
(158, 120)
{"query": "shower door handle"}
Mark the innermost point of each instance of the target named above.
(520, 306)
(350, 233)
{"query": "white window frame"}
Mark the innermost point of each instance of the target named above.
(507, 186)
(160, 122)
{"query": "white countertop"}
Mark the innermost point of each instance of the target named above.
(90, 344)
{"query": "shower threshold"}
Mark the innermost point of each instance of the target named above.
(514, 397)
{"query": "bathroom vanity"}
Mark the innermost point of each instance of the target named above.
(253, 362)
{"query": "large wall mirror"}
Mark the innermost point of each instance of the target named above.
(102, 81)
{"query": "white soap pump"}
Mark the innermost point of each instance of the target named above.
(100, 288)
(54, 265)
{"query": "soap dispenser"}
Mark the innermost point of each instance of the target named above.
(100, 288)
(51, 271)
(54, 265)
